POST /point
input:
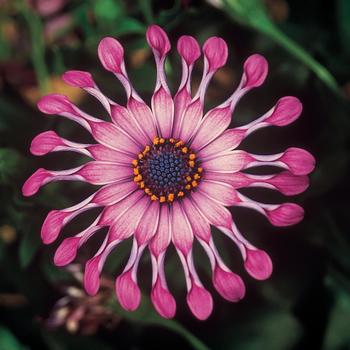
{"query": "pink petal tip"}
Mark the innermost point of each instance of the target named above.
(158, 40)
(286, 214)
(78, 78)
(67, 251)
(216, 52)
(33, 184)
(255, 71)
(200, 302)
(163, 301)
(188, 48)
(44, 143)
(55, 104)
(299, 161)
(287, 110)
(228, 284)
(128, 292)
(92, 276)
(258, 264)
(111, 54)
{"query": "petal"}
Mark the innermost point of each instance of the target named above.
(299, 161)
(78, 78)
(163, 109)
(103, 153)
(112, 136)
(215, 213)
(182, 235)
(163, 301)
(285, 182)
(111, 54)
(66, 251)
(158, 40)
(213, 124)
(148, 224)
(126, 224)
(188, 48)
(162, 238)
(286, 214)
(100, 173)
(190, 119)
(286, 111)
(215, 51)
(227, 163)
(200, 226)
(44, 143)
(114, 193)
(35, 181)
(220, 192)
(143, 114)
(126, 121)
(258, 264)
(200, 302)
(128, 292)
(255, 71)
(227, 141)
(228, 284)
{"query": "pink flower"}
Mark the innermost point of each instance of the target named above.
(168, 173)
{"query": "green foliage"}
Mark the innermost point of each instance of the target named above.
(9, 164)
(8, 341)
(253, 14)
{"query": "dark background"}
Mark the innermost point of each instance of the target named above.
(306, 302)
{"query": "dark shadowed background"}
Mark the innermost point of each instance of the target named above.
(306, 302)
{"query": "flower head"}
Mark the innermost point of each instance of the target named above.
(168, 173)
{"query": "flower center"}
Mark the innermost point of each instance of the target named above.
(166, 170)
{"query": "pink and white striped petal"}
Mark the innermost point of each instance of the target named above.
(255, 72)
(84, 80)
(162, 238)
(49, 141)
(148, 225)
(198, 298)
(228, 284)
(214, 212)
(96, 173)
(162, 299)
(284, 182)
(162, 102)
(127, 289)
(285, 214)
(94, 266)
(298, 161)
(220, 192)
(111, 54)
(189, 50)
(182, 235)
(67, 250)
(256, 262)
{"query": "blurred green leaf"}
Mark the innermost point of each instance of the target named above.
(146, 8)
(253, 13)
(37, 42)
(8, 340)
(128, 25)
(29, 245)
(107, 10)
(9, 163)
(343, 14)
(146, 315)
(337, 335)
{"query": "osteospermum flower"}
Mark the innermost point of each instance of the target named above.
(168, 173)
